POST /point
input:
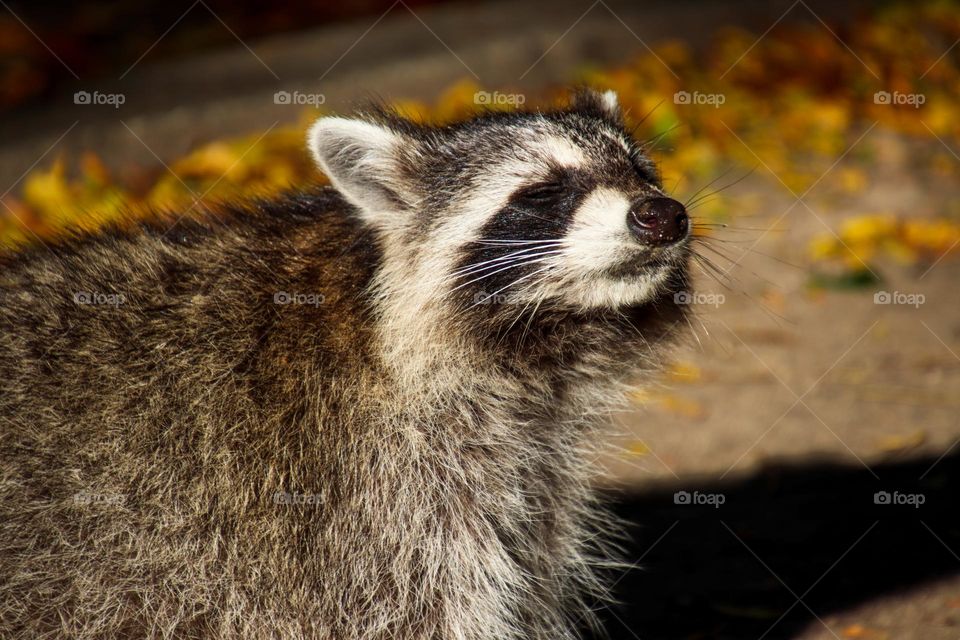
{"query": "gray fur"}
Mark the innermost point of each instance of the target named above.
(190, 457)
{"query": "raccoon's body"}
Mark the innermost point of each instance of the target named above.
(320, 417)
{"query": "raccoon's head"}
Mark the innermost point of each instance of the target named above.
(558, 211)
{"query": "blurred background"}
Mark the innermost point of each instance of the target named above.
(794, 474)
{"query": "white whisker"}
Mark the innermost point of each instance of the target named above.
(512, 266)
(476, 265)
(520, 279)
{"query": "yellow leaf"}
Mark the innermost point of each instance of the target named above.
(903, 442)
(683, 372)
(638, 448)
(853, 179)
(94, 169)
(211, 161)
(48, 191)
(868, 228)
(823, 246)
(860, 632)
(683, 407)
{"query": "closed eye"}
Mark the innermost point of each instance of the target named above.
(646, 170)
(543, 193)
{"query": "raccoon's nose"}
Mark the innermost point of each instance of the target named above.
(658, 221)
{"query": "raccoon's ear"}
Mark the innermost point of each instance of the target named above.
(605, 104)
(610, 102)
(361, 160)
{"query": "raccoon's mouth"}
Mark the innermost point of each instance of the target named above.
(650, 263)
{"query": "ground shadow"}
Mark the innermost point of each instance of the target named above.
(831, 535)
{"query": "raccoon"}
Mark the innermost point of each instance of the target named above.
(364, 410)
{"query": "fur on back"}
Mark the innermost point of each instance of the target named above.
(299, 419)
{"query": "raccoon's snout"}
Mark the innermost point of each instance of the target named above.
(658, 221)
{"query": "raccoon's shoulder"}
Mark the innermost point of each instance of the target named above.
(269, 283)
(313, 225)
(306, 248)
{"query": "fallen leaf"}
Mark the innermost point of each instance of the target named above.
(902, 442)
(683, 407)
(683, 372)
(860, 632)
(638, 448)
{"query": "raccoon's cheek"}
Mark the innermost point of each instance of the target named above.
(598, 235)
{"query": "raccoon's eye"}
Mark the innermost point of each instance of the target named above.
(646, 172)
(543, 193)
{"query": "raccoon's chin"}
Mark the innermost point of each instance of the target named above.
(623, 290)
(649, 262)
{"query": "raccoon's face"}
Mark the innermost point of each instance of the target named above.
(556, 210)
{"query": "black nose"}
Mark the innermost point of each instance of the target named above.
(657, 221)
